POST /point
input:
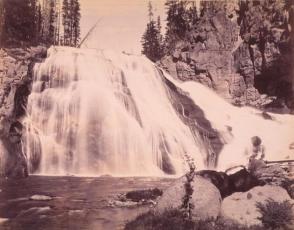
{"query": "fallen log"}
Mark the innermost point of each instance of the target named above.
(280, 162)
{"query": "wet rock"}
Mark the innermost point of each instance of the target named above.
(118, 203)
(136, 198)
(76, 212)
(150, 194)
(193, 116)
(40, 198)
(34, 211)
(241, 207)
(266, 116)
(206, 198)
(3, 220)
(122, 202)
(15, 78)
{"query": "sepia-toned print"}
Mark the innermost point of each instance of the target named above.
(146, 114)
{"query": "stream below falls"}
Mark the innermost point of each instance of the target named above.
(77, 202)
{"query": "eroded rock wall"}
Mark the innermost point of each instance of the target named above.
(217, 53)
(16, 66)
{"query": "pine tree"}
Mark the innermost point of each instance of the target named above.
(177, 21)
(76, 23)
(71, 22)
(192, 15)
(65, 22)
(160, 38)
(39, 23)
(19, 22)
(71, 18)
(52, 18)
(152, 38)
(34, 20)
(58, 22)
(1, 21)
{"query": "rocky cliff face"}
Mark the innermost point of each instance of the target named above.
(214, 54)
(16, 66)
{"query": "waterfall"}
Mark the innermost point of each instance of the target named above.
(243, 123)
(95, 112)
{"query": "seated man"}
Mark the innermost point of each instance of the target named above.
(256, 154)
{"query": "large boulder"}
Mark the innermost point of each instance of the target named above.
(241, 206)
(206, 198)
(240, 181)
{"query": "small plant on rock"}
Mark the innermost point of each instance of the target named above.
(187, 206)
(276, 215)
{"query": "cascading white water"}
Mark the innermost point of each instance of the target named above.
(94, 112)
(276, 134)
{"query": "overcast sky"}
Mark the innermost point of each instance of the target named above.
(122, 22)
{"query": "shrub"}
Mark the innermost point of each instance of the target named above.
(276, 215)
(169, 220)
(176, 220)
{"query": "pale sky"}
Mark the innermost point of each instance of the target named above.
(122, 23)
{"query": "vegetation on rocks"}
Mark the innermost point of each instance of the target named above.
(174, 220)
(276, 215)
(241, 49)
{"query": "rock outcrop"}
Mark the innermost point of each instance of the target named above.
(241, 207)
(277, 175)
(206, 55)
(220, 53)
(16, 66)
(194, 117)
(206, 198)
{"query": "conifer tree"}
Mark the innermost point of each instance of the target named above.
(19, 22)
(177, 23)
(71, 22)
(160, 38)
(30, 22)
(65, 22)
(39, 23)
(152, 39)
(76, 23)
(1, 21)
(52, 18)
